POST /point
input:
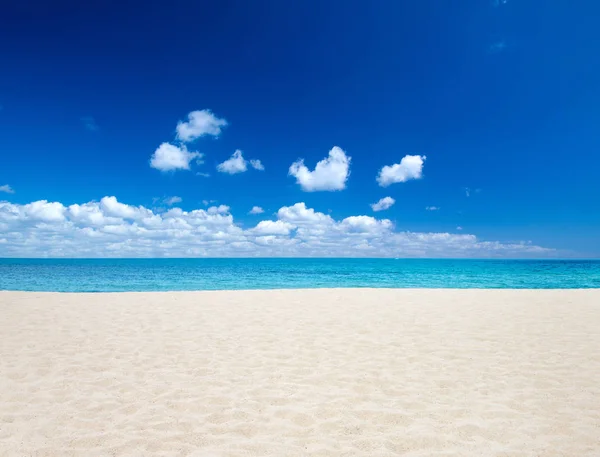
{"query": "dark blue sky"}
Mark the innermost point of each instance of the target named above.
(502, 98)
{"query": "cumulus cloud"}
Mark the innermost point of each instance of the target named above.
(237, 164)
(273, 228)
(366, 224)
(221, 209)
(169, 157)
(432, 208)
(44, 211)
(299, 214)
(330, 173)
(110, 228)
(199, 123)
(7, 189)
(256, 210)
(112, 207)
(410, 167)
(383, 204)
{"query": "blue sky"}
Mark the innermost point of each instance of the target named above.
(494, 105)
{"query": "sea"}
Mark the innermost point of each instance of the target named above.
(120, 275)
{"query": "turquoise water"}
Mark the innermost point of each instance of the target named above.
(112, 275)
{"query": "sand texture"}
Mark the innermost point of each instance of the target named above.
(301, 373)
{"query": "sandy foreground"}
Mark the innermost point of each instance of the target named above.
(301, 372)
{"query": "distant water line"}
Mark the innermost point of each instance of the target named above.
(119, 275)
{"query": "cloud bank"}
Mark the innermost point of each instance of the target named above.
(110, 228)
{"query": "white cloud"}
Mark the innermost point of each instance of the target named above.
(237, 164)
(204, 175)
(410, 167)
(274, 241)
(199, 123)
(169, 157)
(299, 214)
(44, 211)
(109, 228)
(221, 209)
(366, 224)
(172, 200)
(6, 188)
(273, 228)
(459, 228)
(256, 210)
(330, 173)
(383, 204)
(112, 207)
(432, 208)
(90, 215)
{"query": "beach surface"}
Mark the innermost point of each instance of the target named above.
(332, 372)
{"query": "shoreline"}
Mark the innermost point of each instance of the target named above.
(301, 289)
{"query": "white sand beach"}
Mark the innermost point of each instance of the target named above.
(301, 373)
